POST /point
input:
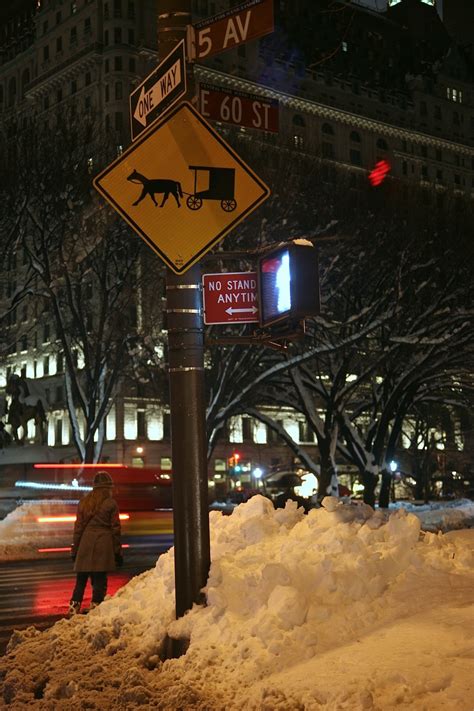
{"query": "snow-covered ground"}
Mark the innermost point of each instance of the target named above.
(337, 609)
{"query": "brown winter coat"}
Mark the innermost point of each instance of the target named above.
(97, 539)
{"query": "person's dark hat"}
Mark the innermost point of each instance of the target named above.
(102, 479)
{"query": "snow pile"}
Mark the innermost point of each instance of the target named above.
(337, 609)
(443, 515)
(21, 535)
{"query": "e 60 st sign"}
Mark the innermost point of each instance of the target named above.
(238, 108)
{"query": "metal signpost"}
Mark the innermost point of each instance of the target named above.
(159, 91)
(228, 29)
(238, 108)
(181, 187)
(230, 297)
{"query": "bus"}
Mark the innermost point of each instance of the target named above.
(52, 493)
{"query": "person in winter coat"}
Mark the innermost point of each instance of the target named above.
(96, 547)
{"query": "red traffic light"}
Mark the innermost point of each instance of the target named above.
(379, 173)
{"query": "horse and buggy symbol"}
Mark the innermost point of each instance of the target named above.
(220, 186)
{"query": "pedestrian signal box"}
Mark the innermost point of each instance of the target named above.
(288, 283)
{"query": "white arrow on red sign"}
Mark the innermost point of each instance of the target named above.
(251, 310)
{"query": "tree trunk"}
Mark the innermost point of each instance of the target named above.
(326, 473)
(369, 479)
(384, 495)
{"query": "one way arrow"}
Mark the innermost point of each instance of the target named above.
(151, 99)
(231, 311)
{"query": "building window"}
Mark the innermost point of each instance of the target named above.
(457, 179)
(424, 151)
(118, 90)
(46, 333)
(117, 35)
(132, 65)
(87, 25)
(131, 10)
(131, 37)
(355, 137)
(88, 78)
(59, 393)
(382, 144)
(456, 159)
(118, 64)
(73, 35)
(437, 113)
(58, 17)
(59, 95)
(439, 154)
(166, 463)
(107, 93)
(87, 102)
(327, 150)
(423, 108)
(424, 172)
(298, 142)
(106, 37)
(355, 157)
(46, 53)
(24, 343)
(404, 168)
(46, 365)
(327, 129)
(439, 177)
(118, 121)
(59, 44)
(456, 118)
(117, 8)
(60, 363)
(344, 47)
(73, 8)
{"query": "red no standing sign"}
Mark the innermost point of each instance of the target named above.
(230, 298)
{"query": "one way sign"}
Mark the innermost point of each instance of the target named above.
(159, 91)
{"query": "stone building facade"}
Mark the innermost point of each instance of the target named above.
(354, 86)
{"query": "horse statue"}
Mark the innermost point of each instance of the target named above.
(24, 406)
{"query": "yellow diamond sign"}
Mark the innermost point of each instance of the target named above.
(181, 187)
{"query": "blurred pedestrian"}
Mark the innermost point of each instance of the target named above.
(96, 548)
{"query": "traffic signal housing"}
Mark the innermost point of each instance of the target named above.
(288, 283)
(233, 463)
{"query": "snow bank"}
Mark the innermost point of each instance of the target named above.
(443, 515)
(21, 535)
(338, 609)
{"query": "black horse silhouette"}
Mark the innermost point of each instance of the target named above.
(151, 187)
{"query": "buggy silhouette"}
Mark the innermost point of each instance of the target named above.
(221, 187)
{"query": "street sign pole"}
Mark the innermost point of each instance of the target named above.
(186, 381)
